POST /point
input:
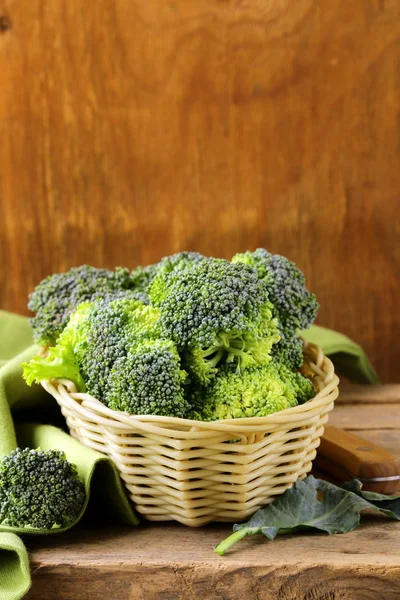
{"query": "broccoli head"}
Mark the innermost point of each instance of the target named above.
(294, 306)
(57, 297)
(39, 489)
(142, 277)
(149, 381)
(116, 351)
(97, 334)
(255, 392)
(216, 312)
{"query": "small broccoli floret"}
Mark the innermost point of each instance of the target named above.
(39, 489)
(255, 392)
(289, 351)
(180, 261)
(302, 386)
(149, 381)
(294, 306)
(142, 277)
(57, 296)
(216, 312)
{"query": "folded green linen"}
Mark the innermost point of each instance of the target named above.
(17, 399)
(19, 403)
(348, 357)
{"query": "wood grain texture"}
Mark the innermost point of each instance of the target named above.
(143, 564)
(131, 130)
(351, 393)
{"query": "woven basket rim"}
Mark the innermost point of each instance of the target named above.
(325, 379)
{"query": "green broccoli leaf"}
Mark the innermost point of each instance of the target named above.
(313, 504)
(390, 505)
(59, 363)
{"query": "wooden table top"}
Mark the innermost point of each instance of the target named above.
(172, 562)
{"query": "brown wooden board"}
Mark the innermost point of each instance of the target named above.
(134, 129)
(172, 562)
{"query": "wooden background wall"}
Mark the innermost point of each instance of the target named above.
(132, 129)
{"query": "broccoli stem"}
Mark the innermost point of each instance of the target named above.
(232, 539)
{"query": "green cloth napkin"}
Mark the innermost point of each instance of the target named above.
(348, 357)
(95, 470)
(19, 403)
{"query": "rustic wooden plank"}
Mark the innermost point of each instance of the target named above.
(130, 130)
(369, 394)
(369, 416)
(174, 562)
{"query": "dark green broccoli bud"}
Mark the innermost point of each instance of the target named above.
(109, 330)
(149, 381)
(39, 489)
(294, 306)
(57, 296)
(289, 351)
(216, 312)
(255, 392)
(142, 277)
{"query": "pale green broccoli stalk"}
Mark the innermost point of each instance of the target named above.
(57, 297)
(294, 306)
(216, 312)
(39, 489)
(149, 381)
(255, 392)
(142, 277)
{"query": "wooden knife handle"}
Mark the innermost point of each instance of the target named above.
(345, 456)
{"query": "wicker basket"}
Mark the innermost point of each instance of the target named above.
(196, 472)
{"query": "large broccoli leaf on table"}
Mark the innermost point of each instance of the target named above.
(313, 504)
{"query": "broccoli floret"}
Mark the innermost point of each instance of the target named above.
(289, 351)
(39, 489)
(255, 392)
(57, 296)
(302, 386)
(294, 306)
(149, 381)
(216, 312)
(142, 277)
(180, 261)
(98, 333)
(114, 350)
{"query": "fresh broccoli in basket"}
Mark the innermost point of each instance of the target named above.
(255, 392)
(142, 277)
(216, 312)
(116, 351)
(302, 386)
(149, 381)
(39, 489)
(57, 296)
(294, 306)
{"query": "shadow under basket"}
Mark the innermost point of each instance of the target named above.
(196, 472)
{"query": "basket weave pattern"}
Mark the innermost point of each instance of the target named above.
(195, 472)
